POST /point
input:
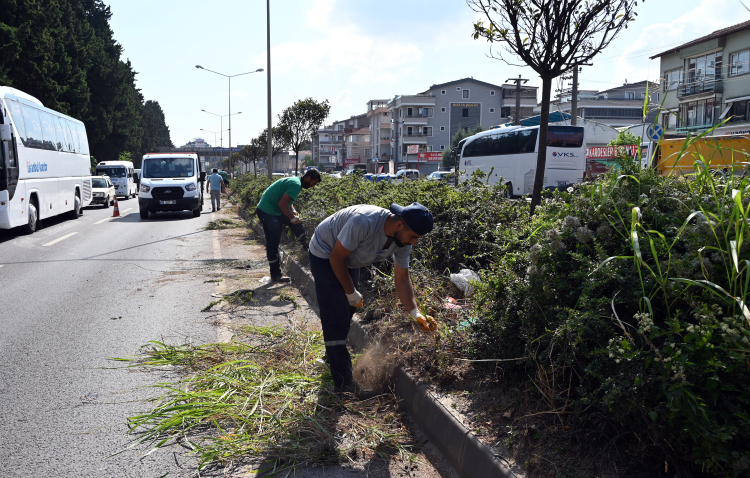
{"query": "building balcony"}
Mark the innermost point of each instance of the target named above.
(411, 100)
(699, 87)
(694, 128)
(415, 119)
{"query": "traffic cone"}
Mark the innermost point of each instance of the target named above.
(116, 211)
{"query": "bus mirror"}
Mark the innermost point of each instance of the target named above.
(5, 132)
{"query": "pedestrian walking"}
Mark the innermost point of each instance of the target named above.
(356, 237)
(275, 210)
(215, 186)
(225, 177)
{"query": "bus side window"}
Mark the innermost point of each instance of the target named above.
(33, 127)
(48, 131)
(60, 145)
(82, 139)
(73, 136)
(17, 116)
(65, 139)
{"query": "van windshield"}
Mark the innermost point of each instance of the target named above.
(168, 168)
(113, 172)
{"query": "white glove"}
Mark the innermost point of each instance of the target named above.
(296, 220)
(426, 323)
(355, 299)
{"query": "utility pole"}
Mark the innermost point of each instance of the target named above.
(268, 68)
(574, 100)
(517, 115)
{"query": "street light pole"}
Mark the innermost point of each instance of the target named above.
(229, 77)
(268, 67)
(221, 124)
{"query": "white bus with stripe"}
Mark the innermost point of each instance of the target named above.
(45, 168)
(509, 155)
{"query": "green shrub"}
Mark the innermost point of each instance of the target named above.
(630, 296)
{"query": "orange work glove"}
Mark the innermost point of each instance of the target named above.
(426, 322)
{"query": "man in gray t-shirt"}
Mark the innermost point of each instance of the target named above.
(357, 237)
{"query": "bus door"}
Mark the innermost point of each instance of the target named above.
(8, 161)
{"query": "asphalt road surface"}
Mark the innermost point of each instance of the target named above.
(74, 294)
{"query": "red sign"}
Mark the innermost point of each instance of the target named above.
(609, 152)
(347, 162)
(412, 149)
(431, 156)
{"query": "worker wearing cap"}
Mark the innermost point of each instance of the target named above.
(352, 238)
(275, 209)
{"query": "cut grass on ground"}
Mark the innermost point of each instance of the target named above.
(263, 401)
(221, 224)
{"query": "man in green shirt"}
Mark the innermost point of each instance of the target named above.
(275, 210)
(223, 175)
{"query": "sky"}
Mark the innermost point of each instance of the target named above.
(349, 52)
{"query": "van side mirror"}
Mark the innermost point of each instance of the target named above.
(203, 176)
(5, 132)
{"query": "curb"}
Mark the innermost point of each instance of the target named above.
(461, 448)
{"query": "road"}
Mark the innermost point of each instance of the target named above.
(73, 294)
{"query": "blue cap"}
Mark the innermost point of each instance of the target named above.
(416, 216)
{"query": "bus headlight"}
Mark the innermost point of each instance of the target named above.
(145, 189)
(190, 187)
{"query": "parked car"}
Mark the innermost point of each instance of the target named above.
(384, 177)
(406, 174)
(370, 176)
(440, 176)
(102, 191)
(336, 175)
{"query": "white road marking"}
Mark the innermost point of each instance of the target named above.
(126, 210)
(1, 265)
(105, 219)
(60, 239)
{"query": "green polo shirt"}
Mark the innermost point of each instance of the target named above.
(223, 175)
(269, 202)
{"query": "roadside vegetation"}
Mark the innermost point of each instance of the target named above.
(619, 305)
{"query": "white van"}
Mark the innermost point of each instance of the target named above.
(121, 174)
(171, 182)
(406, 174)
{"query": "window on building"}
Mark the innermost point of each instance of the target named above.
(442, 92)
(739, 62)
(739, 111)
(465, 94)
(409, 130)
(704, 68)
(629, 95)
(442, 128)
(428, 148)
(409, 111)
(492, 92)
(465, 113)
(492, 110)
(698, 114)
(673, 79)
(442, 110)
(442, 147)
(427, 130)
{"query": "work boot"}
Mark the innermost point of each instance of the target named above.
(279, 278)
(355, 389)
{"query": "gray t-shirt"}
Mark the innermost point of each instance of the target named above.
(360, 230)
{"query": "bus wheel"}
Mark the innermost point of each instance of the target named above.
(509, 190)
(76, 212)
(33, 223)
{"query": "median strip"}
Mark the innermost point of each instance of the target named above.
(59, 239)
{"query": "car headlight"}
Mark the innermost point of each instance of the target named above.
(145, 189)
(190, 187)
(97, 195)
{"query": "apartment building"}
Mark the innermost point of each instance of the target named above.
(706, 81)
(380, 130)
(617, 107)
(358, 146)
(329, 143)
(424, 123)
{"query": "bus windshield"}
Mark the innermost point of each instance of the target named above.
(112, 172)
(168, 168)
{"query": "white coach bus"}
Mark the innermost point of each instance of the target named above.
(45, 164)
(509, 155)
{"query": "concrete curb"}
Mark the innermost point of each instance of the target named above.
(464, 451)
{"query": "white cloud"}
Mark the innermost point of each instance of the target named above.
(709, 16)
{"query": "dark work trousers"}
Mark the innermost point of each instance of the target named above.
(272, 226)
(335, 316)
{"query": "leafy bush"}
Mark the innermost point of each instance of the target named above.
(630, 296)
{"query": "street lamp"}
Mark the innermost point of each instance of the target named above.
(214, 132)
(221, 125)
(229, 77)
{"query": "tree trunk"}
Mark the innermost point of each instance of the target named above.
(541, 160)
(255, 169)
(296, 161)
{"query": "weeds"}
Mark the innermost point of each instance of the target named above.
(263, 400)
(221, 224)
(212, 280)
(211, 305)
